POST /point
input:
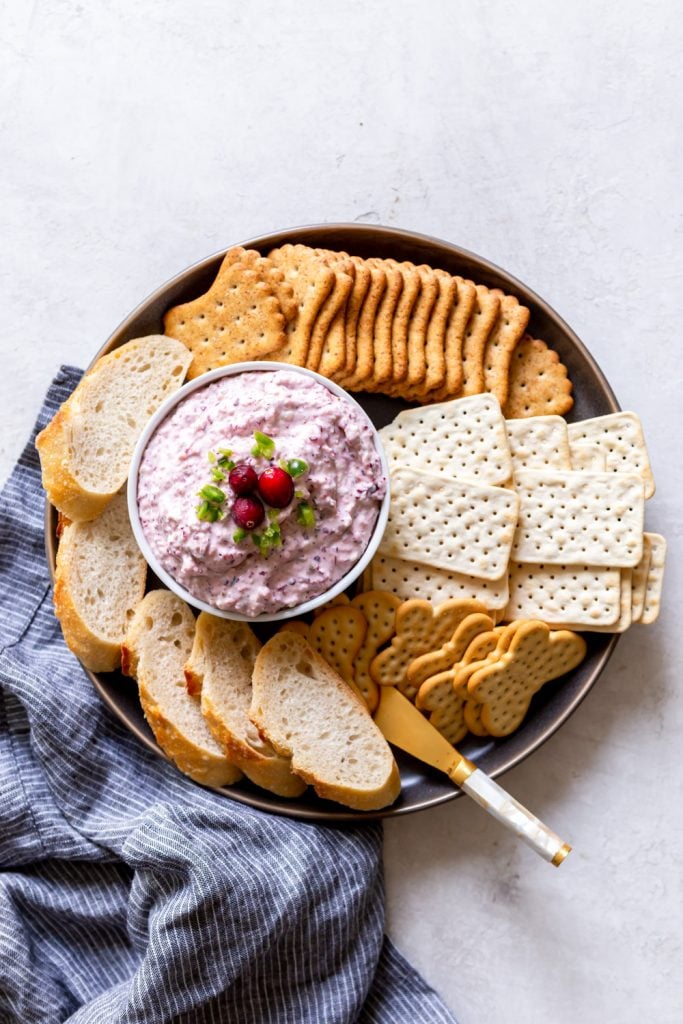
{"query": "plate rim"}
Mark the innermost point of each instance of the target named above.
(271, 239)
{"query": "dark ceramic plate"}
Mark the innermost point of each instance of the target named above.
(421, 787)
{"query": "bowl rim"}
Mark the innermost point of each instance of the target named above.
(165, 409)
(258, 800)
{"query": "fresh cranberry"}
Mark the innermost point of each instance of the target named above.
(243, 479)
(276, 487)
(248, 512)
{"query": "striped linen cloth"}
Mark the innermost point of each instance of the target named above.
(127, 892)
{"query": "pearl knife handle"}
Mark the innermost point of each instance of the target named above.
(509, 812)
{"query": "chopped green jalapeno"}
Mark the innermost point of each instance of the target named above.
(296, 467)
(264, 447)
(305, 516)
(273, 513)
(217, 474)
(208, 513)
(213, 494)
(239, 534)
(211, 457)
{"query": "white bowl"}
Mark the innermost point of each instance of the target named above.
(133, 511)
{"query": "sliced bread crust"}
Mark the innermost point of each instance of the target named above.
(85, 450)
(310, 714)
(157, 645)
(99, 581)
(220, 668)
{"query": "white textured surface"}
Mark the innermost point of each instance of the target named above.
(137, 138)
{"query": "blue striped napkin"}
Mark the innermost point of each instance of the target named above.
(128, 893)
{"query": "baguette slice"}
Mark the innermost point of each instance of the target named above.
(85, 451)
(99, 579)
(310, 714)
(157, 645)
(220, 668)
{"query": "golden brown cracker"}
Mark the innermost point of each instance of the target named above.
(450, 653)
(484, 648)
(446, 709)
(419, 628)
(379, 609)
(312, 281)
(295, 626)
(538, 382)
(479, 327)
(435, 346)
(472, 716)
(412, 283)
(340, 599)
(365, 327)
(274, 275)
(337, 635)
(238, 319)
(327, 349)
(361, 284)
(507, 331)
(418, 326)
(383, 326)
(536, 655)
(455, 336)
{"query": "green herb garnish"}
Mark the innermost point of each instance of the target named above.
(208, 513)
(264, 447)
(212, 494)
(296, 467)
(239, 534)
(305, 516)
(224, 460)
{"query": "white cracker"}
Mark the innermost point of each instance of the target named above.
(620, 436)
(624, 620)
(538, 441)
(579, 518)
(655, 578)
(454, 525)
(587, 458)
(587, 594)
(464, 438)
(410, 579)
(639, 580)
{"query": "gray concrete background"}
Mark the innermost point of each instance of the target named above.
(139, 137)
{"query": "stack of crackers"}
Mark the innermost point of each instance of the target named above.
(460, 669)
(377, 325)
(533, 517)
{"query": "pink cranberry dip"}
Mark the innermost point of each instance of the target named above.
(297, 552)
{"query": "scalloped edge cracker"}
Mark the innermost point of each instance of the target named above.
(538, 381)
(450, 653)
(419, 628)
(507, 332)
(337, 634)
(379, 609)
(452, 524)
(535, 657)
